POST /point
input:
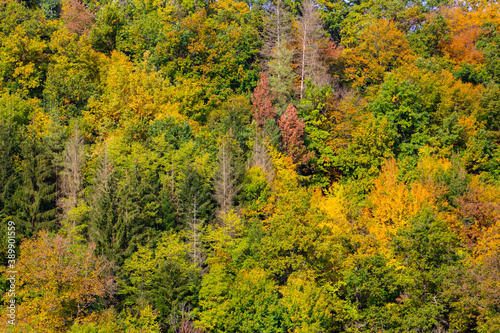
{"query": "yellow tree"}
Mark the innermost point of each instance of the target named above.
(382, 48)
(393, 204)
(58, 281)
(132, 97)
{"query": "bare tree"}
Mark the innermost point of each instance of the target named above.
(312, 42)
(71, 175)
(277, 27)
(278, 52)
(195, 233)
(261, 158)
(226, 177)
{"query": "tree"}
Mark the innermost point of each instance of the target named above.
(71, 175)
(262, 102)
(105, 32)
(8, 182)
(278, 53)
(36, 195)
(58, 282)
(164, 277)
(78, 18)
(195, 210)
(226, 178)
(292, 129)
(102, 213)
(311, 40)
(382, 48)
(429, 250)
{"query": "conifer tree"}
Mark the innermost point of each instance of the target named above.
(195, 210)
(71, 175)
(7, 175)
(102, 207)
(311, 40)
(292, 129)
(278, 53)
(35, 198)
(226, 178)
(262, 109)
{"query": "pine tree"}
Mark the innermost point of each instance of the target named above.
(281, 75)
(278, 53)
(138, 219)
(103, 210)
(195, 210)
(8, 147)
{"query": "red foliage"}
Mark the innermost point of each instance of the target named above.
(292, 129)
(78, 17)
(262, 102)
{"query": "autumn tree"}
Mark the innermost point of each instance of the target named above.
(262, 109)
(77, 16)
(382, 47)
(104, 34)
(58, 282)
(292, 129)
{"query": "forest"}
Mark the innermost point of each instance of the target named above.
(190, 166)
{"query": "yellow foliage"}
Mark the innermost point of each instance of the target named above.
(430, 165)
(132, 95)
(336, 207)
(393, 204)
(383, 48)
(230, 5)
(40, 122)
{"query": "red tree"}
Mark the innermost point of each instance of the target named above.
(292, 129)
(262, 102)
(78, 17)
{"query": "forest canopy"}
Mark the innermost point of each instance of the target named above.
(191, 166)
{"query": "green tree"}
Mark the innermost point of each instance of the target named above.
(35, 198)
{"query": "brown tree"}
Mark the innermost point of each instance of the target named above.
(225, 181)
(292, 129)
(58, 281)
(77, 16)
(71, 176)
(262, 102)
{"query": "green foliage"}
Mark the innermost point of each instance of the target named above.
(34, 200)
(106, 31)
(382, 218)
(429, 39)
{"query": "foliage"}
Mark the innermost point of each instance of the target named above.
(256, 166)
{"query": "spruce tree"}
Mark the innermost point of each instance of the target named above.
(35, 198)
(8, 147)
(103, 210)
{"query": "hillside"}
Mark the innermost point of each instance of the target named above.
(261, 166)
